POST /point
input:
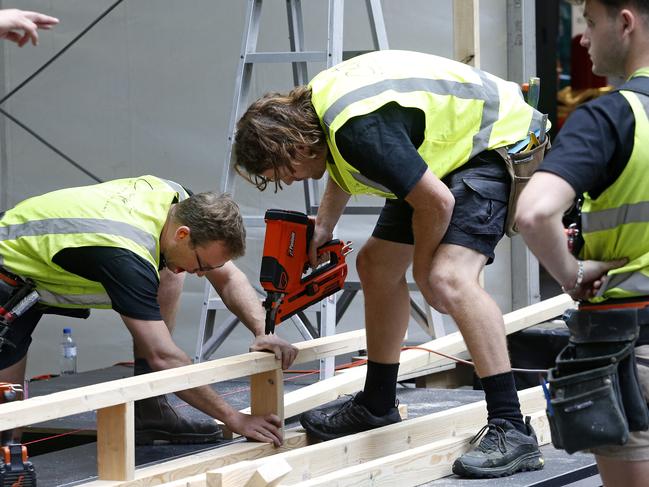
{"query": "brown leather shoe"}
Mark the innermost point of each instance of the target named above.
(156, 420)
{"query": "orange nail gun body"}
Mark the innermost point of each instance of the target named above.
(286, 259)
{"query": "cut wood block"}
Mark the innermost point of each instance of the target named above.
(269, 474)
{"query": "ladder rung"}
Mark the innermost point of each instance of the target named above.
(285, 57)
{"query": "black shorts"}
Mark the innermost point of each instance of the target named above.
(481, 191)
(20, 331)
(20, 335)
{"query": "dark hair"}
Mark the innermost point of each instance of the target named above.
(613, 6)
(213, 217)
(269, 133)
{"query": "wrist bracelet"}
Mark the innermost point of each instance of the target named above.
(580, 278)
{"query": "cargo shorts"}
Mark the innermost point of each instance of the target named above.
(481, 191)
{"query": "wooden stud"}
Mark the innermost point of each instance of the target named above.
(267, 394)
(116, 442)
(466, 31)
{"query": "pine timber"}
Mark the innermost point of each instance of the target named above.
(82, 399)
(337, 455)
(125, 390)
(195, 466)
(116, 442)
(411, 360)
(466, 31)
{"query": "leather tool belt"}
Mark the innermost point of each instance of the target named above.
(17, 295)
(520, 166)
(595, 398)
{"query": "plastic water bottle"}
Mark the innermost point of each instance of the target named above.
(68, 353)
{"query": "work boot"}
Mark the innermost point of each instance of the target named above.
(503, 451)
(155, 420)
(347, 418)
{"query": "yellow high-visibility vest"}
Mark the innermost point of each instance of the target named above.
(616, 224)
(467, 111)
(124, 213)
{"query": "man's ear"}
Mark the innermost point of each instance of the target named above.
(182, 232)
(629, 20)
(305, 152)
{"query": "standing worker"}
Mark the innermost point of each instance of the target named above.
(20, 26)
(601, 155)
(418, 130)
(126, 245)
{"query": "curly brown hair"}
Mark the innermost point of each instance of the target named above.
(213, 217)
(269, 133)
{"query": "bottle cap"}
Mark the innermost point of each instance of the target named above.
(67, 330)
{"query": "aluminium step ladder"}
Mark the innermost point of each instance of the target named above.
(210, 337)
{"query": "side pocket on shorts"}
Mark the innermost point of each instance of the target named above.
(481, 206)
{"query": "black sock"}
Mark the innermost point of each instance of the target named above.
(380, 392)
(502, 399)
(141, 366)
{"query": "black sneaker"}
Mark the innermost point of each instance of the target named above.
(348, 418)
(503, 451)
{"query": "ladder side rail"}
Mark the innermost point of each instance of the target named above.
(203, 323)
(377, 24)
(335, 33)
(296, 39)
(242, 85)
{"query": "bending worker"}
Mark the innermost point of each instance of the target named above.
(418, 130)
(127, 244)
(601, 155)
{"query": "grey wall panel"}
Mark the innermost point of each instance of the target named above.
(149, 90)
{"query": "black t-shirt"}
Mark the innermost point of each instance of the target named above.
(382, 146)
(594, 145)
(130, 281)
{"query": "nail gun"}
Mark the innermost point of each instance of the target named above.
(285, 261)
(15, 470)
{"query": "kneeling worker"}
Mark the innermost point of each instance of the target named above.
(127, 244)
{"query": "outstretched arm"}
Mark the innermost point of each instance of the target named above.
(22, 26)
(539, 213)
(156, 345)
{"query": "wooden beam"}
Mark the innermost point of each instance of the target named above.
(98, 396)
(466, 31)
(116, 442)
(198, 463)
(327, 390)
(323, 458)
(407, 468)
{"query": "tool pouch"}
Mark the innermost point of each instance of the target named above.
(520, 167)
(595, 396)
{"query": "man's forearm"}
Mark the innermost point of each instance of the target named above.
(334, 201)
(240, 298)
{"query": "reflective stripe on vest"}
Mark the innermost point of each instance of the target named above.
(616, 224)
(487, 92)
(126, 213)
(467, 111)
